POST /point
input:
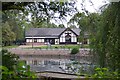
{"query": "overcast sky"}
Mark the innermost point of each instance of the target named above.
(91, 7)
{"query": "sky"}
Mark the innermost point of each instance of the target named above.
(91, 7)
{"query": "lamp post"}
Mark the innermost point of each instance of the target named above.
(23, 34)
(32, 41)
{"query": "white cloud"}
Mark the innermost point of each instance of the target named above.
(114, 0)
(91, 5)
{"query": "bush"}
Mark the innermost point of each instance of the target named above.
(9, 59)
(74, 51)
(13, 68)
(105, 73)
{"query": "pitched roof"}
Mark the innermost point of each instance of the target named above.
(44, 32)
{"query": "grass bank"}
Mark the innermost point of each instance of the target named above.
(60, 46)
(12, 46)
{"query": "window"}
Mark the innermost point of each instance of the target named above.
(74, 39)
(35, 62)
(28, 40)
(42, 40)
(31, 40)
(35, 40)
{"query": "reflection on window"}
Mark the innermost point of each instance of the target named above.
(35, 62)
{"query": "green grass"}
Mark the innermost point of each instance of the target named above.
(85, 46)
(61, 46)
(12, 46)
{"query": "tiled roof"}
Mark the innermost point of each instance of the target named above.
(44, 32)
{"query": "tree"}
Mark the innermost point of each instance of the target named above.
(13, 5)
(8, 35)
(87, 23)
(15, 24)
(107, 41)
(61, 26)
(12, 68)
(43, 11)
(8, 59)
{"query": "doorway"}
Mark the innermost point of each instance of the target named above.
(68, 39)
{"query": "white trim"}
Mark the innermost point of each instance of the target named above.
(88, 41)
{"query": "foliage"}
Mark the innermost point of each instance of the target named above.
(23, 70)
(12, 68)
(6, 74)
(43, 11)
(100, 74)
(11, 22)
(107, 41)
(104, 73)
(20, 71)
(103, 30)
(87, 23)
(74, 50)
(45, 25)
(61, 26)
(9, 59)
(13, 5)
(8, 34)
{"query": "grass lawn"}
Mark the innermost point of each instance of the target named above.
(61, 46)
(12, 46)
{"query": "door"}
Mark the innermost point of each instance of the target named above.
(68, 39)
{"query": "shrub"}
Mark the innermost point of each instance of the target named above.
(105, 73)
(74, 51)
(13, 68)
(9, 59)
